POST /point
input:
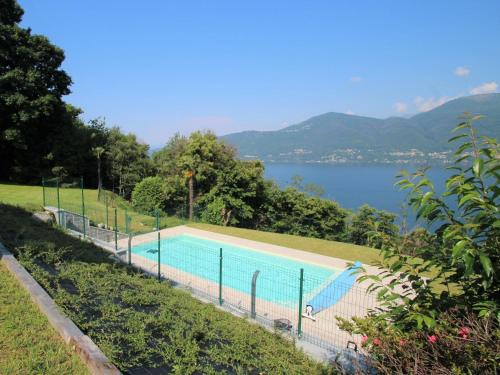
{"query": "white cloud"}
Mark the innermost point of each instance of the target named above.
(424, 105)
(400, 107)
(462, 71)
(485, 88)
(349, 112)
(356, 79)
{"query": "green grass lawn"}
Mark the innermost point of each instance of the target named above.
(31, 198)
(28, 344)
(340, 250)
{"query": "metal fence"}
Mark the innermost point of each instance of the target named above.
(100, 217)
(276, 297)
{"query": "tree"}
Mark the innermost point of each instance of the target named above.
(294, 212)
(201, 158)
(128, 160)
(236, 195)
(32, 85)
(366, 222)
(166, 160)
(98, 152)
(149, 195)
(310, 188)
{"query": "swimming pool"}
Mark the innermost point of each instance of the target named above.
(279, 277)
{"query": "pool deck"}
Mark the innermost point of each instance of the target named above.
(356, 302)
(303, 256)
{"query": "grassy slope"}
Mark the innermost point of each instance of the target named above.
(137, 321)
(28, 344)
(31, 197)
(340, 250)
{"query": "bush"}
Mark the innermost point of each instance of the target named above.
(149, 195)
(442, 301)
(367, 221)
(213, 212)
(294, 212)
(175, 194)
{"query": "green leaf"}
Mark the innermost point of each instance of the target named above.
(457, 137)
(460, 126)
(477, 166)
(459, 246)
(467, 198)
(486, 263)
(429, 321)
(463, 147)
(426, 197)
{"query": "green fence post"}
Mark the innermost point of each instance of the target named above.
(116, 230)
(159, 274)
(301, 290)
(130, 249)
(126, 221)
(157, 220)
(220, 276)
(83, 209)
(58, 202)
(107, 212)
(43, 190)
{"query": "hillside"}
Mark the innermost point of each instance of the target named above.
(341, 138)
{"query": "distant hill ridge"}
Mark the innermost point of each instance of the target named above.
(342, 138)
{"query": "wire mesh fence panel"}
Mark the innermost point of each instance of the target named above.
(322, 308)
(105, 235)
(74, 221)
(256, 288)
(50, 192)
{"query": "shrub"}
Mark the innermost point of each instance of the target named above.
(149, 196)
(294, 212)
(450, 285)
(213, 212)
(368, 220)
(175, 193)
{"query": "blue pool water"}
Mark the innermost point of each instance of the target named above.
(278, 280)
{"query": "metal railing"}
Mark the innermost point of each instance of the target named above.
(276, 297)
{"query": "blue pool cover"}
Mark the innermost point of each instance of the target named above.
(335, 290)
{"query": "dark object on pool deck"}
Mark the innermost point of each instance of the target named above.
(283, 324)
(352, 345)
(309, 313)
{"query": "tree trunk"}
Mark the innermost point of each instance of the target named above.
(191, 197)
(99, 180)
(226, 216)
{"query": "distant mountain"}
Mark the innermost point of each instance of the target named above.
(341, 138)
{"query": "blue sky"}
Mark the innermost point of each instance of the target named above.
(159, 67)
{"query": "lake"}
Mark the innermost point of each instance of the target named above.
(353, 186)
